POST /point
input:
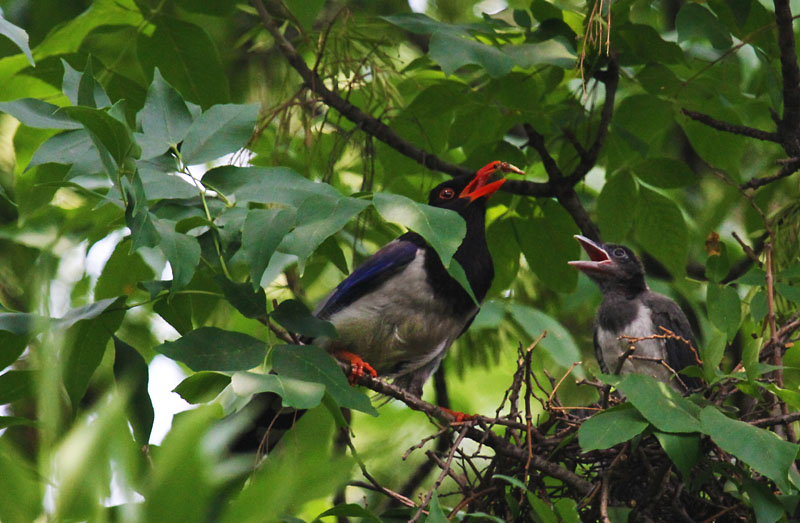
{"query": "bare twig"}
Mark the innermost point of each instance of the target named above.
(742, 130)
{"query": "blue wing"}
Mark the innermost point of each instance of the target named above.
(389, 260)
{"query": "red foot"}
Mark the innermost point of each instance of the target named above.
(459, 416)
(357, 366)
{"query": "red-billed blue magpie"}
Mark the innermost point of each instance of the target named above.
(631, 313)
(398, 313)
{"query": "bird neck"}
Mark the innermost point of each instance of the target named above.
(621, 286)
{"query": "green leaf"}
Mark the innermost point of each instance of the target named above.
(211, 348)
(661, 230)
(423, 24)
(202, 387)
(295, 317)
(114, 136)
(317, 219)
(241, 295)
(306, 11)
(220, 130)
(695, 21)
(38, 114)
(263, 231)
(18, 36)
(179, 486)
(501, 238)
(15, 421)
(182, 252)
(122, 272)
(443, 229)
(21, 488)
(662, 406)
(718, 265)
(761, 449)
(165, 118)
(451, 52)
(682, 449)
(305, 470)
(16, 385)
(724, 308)
(131, 370)
(90, 92)
(294, 393)
(767, 507)
(665, 172)
(614, 204)
(758, 306)
(712, 354)
(310, 363)
(187, 58)
(435, 512)
(20, 323)
(788, 291)
(552, 226)
(553, 51)
(611, 427)
(176, 310)
(351, 510)
(85, 345)
(74, 148)
(558, 343)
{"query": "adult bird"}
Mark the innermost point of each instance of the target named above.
(398, 313)
(632, 314)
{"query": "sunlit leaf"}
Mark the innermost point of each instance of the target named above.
(17, 35)
(442, 228)
(294, 393)
(220, 130)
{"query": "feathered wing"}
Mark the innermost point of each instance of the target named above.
(666, 313)
(389, 260)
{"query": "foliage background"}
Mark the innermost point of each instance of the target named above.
(645, 123)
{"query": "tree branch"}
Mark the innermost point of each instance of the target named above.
(366, 122)
(788, 125)
(485, 437)
(787, 170)
(743, 130)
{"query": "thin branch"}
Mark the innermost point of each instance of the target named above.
(787, 170)
(726, 127)
(366, 122)
(485, 437)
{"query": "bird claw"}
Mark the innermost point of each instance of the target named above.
(357, 366)
(459, 416)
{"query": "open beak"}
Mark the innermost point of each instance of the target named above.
(480, 187)
(598, 258)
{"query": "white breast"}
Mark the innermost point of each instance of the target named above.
(398, 324)
(611, 347)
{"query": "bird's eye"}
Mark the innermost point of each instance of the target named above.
(620, 253)
(447, 193)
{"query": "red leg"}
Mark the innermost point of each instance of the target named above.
(357, 366)
(459, 416)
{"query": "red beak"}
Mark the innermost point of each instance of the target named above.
(479, 186)
(598, 256)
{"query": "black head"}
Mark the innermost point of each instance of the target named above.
(459, 193)
(612, 267)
